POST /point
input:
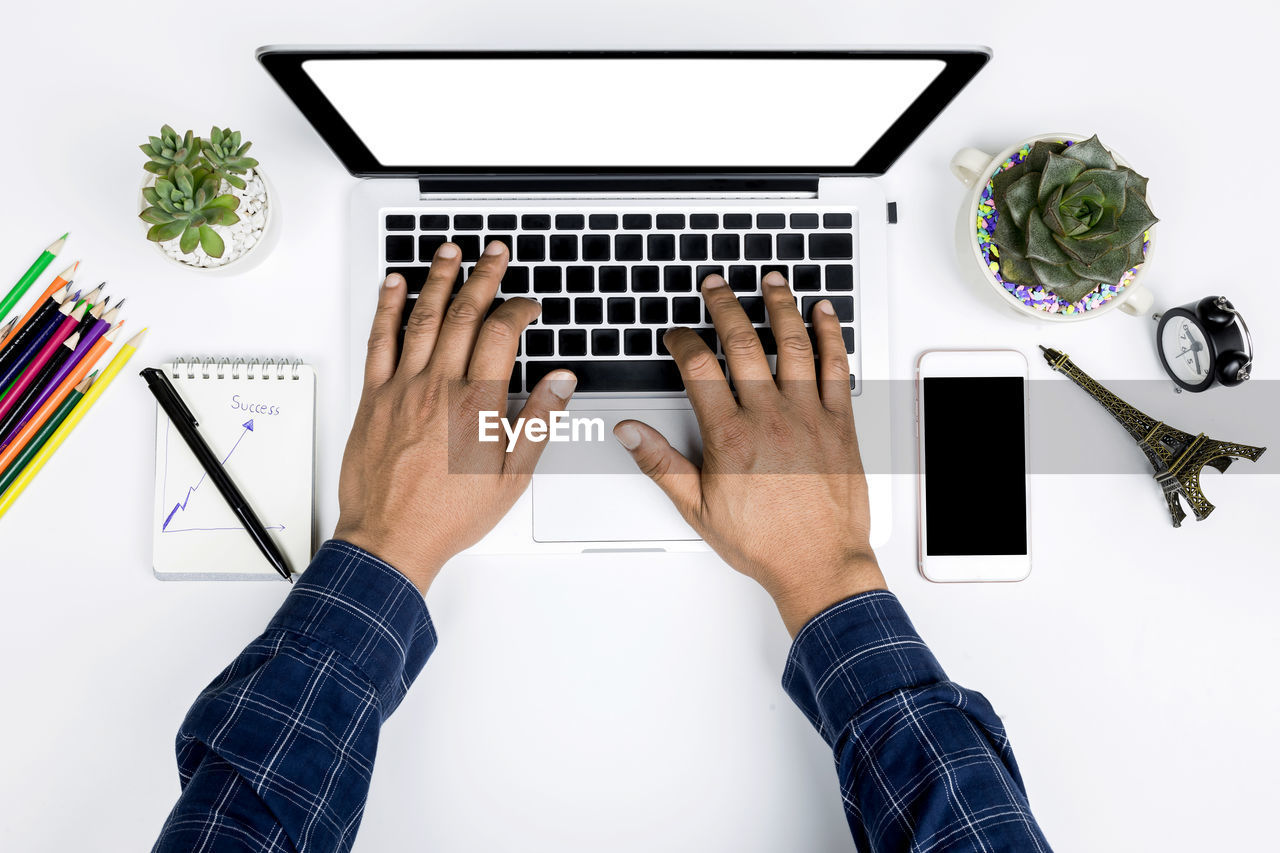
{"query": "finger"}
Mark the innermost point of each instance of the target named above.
(424, 321)
(551, 394)
(833, 370)
(499, 339)
(678, 478)
(465, 315)
(380, 362)
(747, 363)
(704, 382)
(796, 375)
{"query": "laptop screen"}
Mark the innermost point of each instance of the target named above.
(416, 112)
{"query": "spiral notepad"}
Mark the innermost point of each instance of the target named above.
(258, 416)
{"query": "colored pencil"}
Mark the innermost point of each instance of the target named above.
(77, 415)
(14, 366)
(19, 337)
(14, 447)
(63, 279)
(15, 391)
(8, 327)
(92, 297)
(42, 437)
(27, 396)
(33, 272)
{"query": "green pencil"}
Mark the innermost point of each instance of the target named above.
(38, 440)
(42, 263)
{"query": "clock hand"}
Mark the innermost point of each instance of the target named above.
(1195, 351)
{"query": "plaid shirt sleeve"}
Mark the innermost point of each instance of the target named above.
(924, 764)
(276, 754)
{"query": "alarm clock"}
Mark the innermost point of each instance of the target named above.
(1205, 342)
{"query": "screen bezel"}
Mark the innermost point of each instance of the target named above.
(941, 364)
(284, 64)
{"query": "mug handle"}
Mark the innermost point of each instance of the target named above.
(1138, 301)
(969, 164)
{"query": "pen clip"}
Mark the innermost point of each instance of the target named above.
(157, 379)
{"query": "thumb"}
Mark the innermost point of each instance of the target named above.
(678, 478)
(550, 395)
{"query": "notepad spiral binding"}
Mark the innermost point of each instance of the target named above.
(221, 368)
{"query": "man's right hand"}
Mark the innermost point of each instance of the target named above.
(781, 494)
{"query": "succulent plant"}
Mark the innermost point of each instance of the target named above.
(185, 204)
(1070, 218)
(169, 150)
(225, 155)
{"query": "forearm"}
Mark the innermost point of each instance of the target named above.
(277, 753)
(923, 763)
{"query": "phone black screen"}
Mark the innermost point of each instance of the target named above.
(975, 466)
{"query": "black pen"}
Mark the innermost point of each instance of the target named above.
(185, 422)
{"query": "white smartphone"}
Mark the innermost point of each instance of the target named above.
(971, 425)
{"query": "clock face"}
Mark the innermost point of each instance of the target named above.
(1186, 351)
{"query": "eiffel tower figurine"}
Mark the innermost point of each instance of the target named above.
(1177, 456)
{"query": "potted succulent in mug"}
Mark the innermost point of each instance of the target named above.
(1059, 225)
(204, 201)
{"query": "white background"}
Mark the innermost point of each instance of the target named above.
(631, 703)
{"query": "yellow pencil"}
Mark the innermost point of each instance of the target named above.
(77, 414)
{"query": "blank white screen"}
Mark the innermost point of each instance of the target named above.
(712, 112)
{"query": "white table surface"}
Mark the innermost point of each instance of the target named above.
(631, 703)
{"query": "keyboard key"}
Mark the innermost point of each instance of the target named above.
(839, 277)
(767, 341)
(622, 311)
(671, 222)
(644, 279)
(757, 247)
(555, 311)
(637, 342)
(546, 280)
(754, 306)
(612, 279)
(468, 222)
(427, 245)
(704, 220)
(781, 269)
(831, 246)
(725, 247)
(604, 341)
(603, 221)
(415, 277)
(676, 279)
(433, 222)
(637, 221)
(634, 374)
(513, 386)
(740, 221)
(790, 247)
(806, 278)
(399, 249)
(400, 222)
(502, 221)
(706, 270)
(686, 310)
(580, 279)
(662, 344)
(847, 334)
(842, 304)
(564, 247)
(693, 247)
(662, 247)
(539, 342)
(804, 220)
(493, 306)
(470, 246)
(572, 342)
(595, 247)
(628, 247)
(771, 220)
(505, 239)
(515, 280)
(653, 311)
(709, 338)
(531, 247)
(742, 278)
(588, 311)
(535, 221)
(570, 221)
(837, 220)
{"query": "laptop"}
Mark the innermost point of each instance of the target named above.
(619, 180)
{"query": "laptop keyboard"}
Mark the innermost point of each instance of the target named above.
(610, 284)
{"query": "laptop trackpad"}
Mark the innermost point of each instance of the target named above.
(591, 491)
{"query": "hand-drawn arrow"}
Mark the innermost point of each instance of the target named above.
(182, 505)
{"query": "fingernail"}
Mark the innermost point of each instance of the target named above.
(495, 248)
(825, 307)
(561, 383)
(393, 280)
(712, 281)
(447, 250)
(628, 436)
(775, 278)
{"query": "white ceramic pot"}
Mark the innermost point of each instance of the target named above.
(974, 169)
(250, 258)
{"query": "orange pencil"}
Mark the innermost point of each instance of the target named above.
(63, 279)
(42, 414)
